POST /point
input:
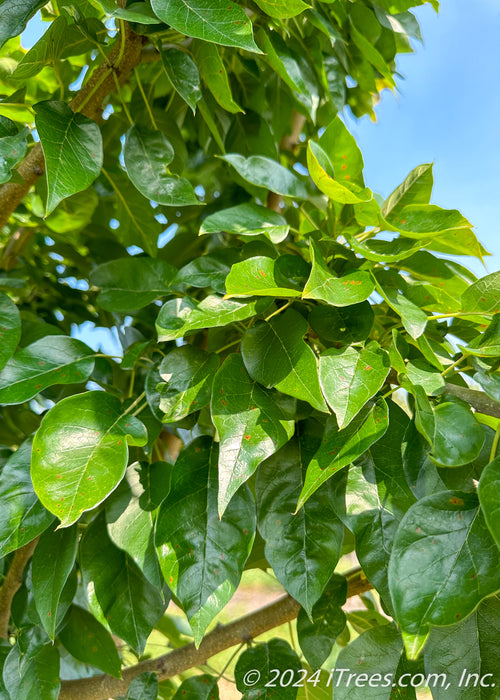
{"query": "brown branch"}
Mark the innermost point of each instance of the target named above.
(12, 583)
(477, 399)
(124, 56)
(283, 610)
(287, 143)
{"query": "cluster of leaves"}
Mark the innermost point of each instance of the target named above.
(311, 356)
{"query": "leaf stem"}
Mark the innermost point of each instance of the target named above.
(148, 106)
(452, 366)
(278, 311)
(229, 345)
(460, 314)
(494, 445)
(134, 404)
(226, 665)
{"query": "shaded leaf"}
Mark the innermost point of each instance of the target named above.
(489, 497)
(183, 73)
(13, 145)
(265, 276)
(268, 173)
(247, 220)
(198, 688)
(263, 660)
(14, 15)
(34, 677)
(143, 687)
(10, 328)
(214, 74)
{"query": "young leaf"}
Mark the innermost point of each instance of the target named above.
(208, 20)
(338, 188)
(263, 660)
(178, 317)
(183, 74)
(214, 74)
(53, 561)
(130, 283)
(80, 453)
(198, 688)
(264, 276)
(350, 378)
(276, 355)
(443, 562)
(343, 152)
(268, 173)
(323, 284)
(247, 220)
(89, 642)
(317, 636)
(190, 537)
(250, 424)
(489, 497)
(72, 147)
(341, 447)
(302, 549)
(48, 361)
(22, 516)
(146, 155)
(10, 328)
(483, 295)
(121, 594)
(416, 189)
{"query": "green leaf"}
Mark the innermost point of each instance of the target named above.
(188, 372)
(48, 361)
(247, 220)
(53, 560)
(250, 424)
(350, 378)
(302, 549)
(443, 562)
(276, 355)
(282, 9)
(416, 189)
(337, 187)
(256, 669)
(417, 220)
(348, 324)
(317, 636)
(343, 152)
(22, 515)
(144, 687)
(394, 251)
(377, 651)
(489, 492)
(490, 383)
(264, 276)
(198, 688)
(420, 373)
(413, 318)
(36, 676)
(121, 594)
(483, 296)
(14, 15)
(72, 147)
(127, 284)
(80, 453)
(202, 272)
(341, 447)
(13, 147)
(10, 328)
(183, 73)
(268, 173)
(146, 154)
(214, 74)
(323, 284)
(180, 316)
(208, 20)
(89, 642)
(201, 556)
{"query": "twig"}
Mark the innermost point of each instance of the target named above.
(477, 399)
(12, 583)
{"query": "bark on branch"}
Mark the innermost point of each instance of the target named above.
(12, 584)
(288, 143)
(477, 399)
(186, 657)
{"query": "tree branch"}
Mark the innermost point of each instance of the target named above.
(89, 100)
(477, 399)
(12, 584)
(287, 143)
(186, 657)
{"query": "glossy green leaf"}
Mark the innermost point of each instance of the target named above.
(48, 361)
(350, 378)
(337, 187)
(146, 154)
(251, 426)
(264, 276)
(268, 173)
(489, 492)
(53, 560)
(348, 324)
(10, 328)
(120, 593)
(341, 447)
(483, 296)
(416, 189)
(198, 688)
(206, 271)
(282, 9)
(23, 517)
(214, 74)
(422, 374)
(276, 355)
(208, 20)
(302, 548)
(247, 220)
(490, 383)
(417, 220)
(13, 145)
(127, 284)
(89, 642)
(34, 677)
(183, 73)
(255, 671)
(377, 651)
(448, 275)
(188, 372)
(14, 15)
(394, 251)
(143, 687)
(201, 556)
(80, 453)
(180, 316)
(343, 152)
(72, 147)
(317, 636)
(413, 318)
(443, 562)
